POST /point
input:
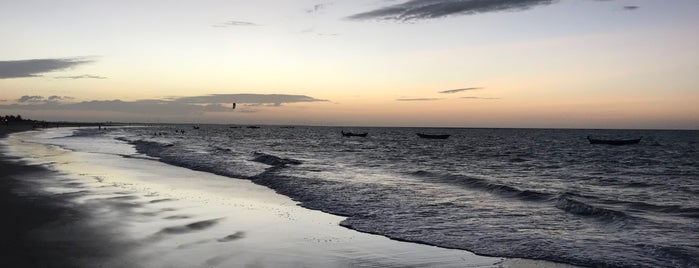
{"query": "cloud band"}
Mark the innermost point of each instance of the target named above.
(171, 106)
(34, 67)
(429, 9)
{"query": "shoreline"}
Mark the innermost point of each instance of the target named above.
(144, 224)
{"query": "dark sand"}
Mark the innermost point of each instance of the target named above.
(39, 229)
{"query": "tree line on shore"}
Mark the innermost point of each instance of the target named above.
(13, 118)
(19, 120)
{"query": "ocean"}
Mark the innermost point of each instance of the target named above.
(542, 194)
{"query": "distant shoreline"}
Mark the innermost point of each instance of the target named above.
(39, 123)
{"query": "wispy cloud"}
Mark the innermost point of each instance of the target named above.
(480, 98)
(418, 99)
(35, 67)
(429, 9)
(40, 99)
(84, 76)
(452, 91)
(313, 31)
(247, 98)
(316, 8)
(27, 98)
(629, 8)
(59, 98)
(235, 23)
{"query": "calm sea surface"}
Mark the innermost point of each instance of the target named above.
(530, 193)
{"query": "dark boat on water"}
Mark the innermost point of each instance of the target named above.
(350, 134)
(253, 127)
(195, 127)
(432, 136)
(613, 142)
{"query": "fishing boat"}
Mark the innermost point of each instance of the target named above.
(613, 142)
(433, 136)
(350, 134)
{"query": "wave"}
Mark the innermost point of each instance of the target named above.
(150, 148)
(176, 155)
(138, 156)
(492, 187)
(217, 160)
(273, 160)
(568, 204)
(221, 149)
(641, 184)
(678, 255)
(689, 212)
(85, 132)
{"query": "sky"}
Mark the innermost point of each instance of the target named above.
(423, 63)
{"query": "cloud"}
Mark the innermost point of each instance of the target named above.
(451, 91)
(430, 9)
(27, 98)
(480, 98)
(418, 99)
(235, 23)
(32, 68)
(313, 31)
(164, 107)
(40, 99)
(631, 7)
(84, 76)
(276, 99)
(59, 98)
(144, 107)
(316, 8)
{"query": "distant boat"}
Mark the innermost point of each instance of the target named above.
(195, 127)
(613, 142)
(350, 134)
(233, 127)
(431, 136)
(253, 127)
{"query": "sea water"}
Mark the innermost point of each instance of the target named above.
(529, 193)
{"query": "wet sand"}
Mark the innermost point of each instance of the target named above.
(92, 210)
(41, 229)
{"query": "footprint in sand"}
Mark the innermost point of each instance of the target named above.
(192, 227)
(183, 229)
(161, 200)
(235, 236)
(178, 217)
